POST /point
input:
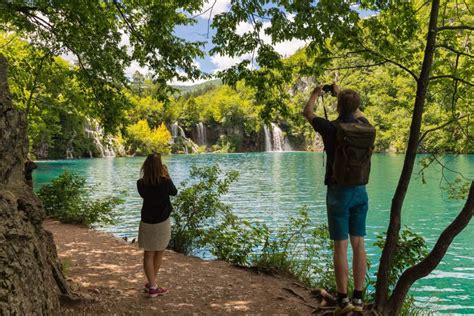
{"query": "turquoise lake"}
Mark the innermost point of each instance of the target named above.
(273, 186)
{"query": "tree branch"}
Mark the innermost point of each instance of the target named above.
(455, 27)
(130, 25)
(454, 50)
(391, 61)
(358, 66)
(431, 261)
(34, 84)
(440, 127)
(452, 77)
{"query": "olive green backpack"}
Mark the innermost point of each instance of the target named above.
(354, 146)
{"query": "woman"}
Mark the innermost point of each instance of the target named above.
(155, 187)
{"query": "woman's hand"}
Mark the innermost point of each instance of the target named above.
(165, 171)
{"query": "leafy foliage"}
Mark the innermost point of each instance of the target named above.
(94, 33)
(300, 249)
(458, 189)
(144, 140)
(411, 248)
(67, 199)
(203, 221)
(198, 206)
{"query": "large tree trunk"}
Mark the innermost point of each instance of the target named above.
(428, 264)
(30, 274)
(386, 260)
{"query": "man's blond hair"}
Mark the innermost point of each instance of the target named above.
(348, 101)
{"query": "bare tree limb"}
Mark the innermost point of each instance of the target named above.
(409, 71)
(456, 27)
(129, 24)
(9, 41)
(205, 11)
(431, 261)
(452, 49)
(35, 83)
(209, 19)
(358, 66)
(453, 78)
(440, 127)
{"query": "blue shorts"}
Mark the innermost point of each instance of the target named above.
(347, 211)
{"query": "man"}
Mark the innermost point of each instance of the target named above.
(347, 205)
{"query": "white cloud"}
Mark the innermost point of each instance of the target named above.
(70, 57)
(224, 62)
(243, 27)
(187, 83)
(286, 48)
(134, 66)
(219, 6)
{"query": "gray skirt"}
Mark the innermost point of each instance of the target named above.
(154, 237)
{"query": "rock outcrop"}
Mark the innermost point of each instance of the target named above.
(30, 275)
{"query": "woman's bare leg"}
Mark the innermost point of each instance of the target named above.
(148, 266)
(157, 260)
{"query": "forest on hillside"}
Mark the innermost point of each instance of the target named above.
(64, 120)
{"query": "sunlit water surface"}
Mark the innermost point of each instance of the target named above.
(272, 186)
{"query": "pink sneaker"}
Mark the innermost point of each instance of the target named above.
(160, 291)
(146, 287)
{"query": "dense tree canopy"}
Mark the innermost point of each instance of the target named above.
(105, 37)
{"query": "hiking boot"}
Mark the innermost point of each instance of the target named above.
(358, 305)
(157, 292)
(344, 307)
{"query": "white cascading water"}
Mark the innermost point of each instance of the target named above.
(174, 131)
(177, 131)
(274, 139)
(277, 137)
(201, 134)
(268, 142)
(69, 154)
(95, 132)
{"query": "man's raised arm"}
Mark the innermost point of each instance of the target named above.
(308, 111)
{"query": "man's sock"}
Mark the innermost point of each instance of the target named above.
(342, 299)
(357, 294)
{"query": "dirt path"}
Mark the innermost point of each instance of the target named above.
(107, 273)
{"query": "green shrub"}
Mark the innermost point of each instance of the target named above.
(300, 249)
(198, 208)
(67, 199)
(411, 248)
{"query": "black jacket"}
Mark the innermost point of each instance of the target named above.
(156, 200)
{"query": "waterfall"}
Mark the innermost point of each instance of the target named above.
(277, 137)
(201, 134)
(69, 154)
(95, 132)
(70, 146)
(268, 143)
(274, 139)
(179, 136)
(174, 131)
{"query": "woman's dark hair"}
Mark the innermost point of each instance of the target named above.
(347, 101)
(153, 170)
